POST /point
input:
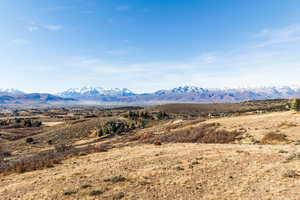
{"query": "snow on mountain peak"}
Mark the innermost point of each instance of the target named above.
(11, 91)
(96, 91)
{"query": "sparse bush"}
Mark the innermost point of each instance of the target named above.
(29, 140)
(157, 142)
(70, 192)
(96, 192)
(85, 186)
(115, 179)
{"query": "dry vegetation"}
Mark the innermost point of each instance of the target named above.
(196, 110)
(156, 153)
(274, 138)
(207, 133)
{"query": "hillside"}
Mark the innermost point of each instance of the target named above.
(253, 156)
(190, 109)
(171, 171)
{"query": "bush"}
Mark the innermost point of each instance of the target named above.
(274, 138)
(36, 124)
(70, 192)
(63, 148)
(96, 192)
(115, 179)
(29, 140)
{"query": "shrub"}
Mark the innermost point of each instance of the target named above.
(115, 179)
(85, 186)
(274, 138)
(96, 192)
(157, 142)
(29, 140)
(36, 124)
(70, 192)
(6, 154)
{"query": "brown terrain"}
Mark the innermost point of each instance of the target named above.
(238, 156)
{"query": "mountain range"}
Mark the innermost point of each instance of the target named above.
(186, 94)
(183, 94)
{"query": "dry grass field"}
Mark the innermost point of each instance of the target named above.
(249, 156)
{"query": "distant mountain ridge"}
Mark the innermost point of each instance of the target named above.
(17, 98)
(182, 94)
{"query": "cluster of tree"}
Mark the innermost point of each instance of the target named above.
(19, 122)
(138, 115)
(119, 127)
(114, 128)
(295, 105)
(31, 123)
(162, 115)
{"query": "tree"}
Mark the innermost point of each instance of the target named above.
(296, 105)
(100, 132)
(162, 115)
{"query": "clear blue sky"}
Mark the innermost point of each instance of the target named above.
(145, 45)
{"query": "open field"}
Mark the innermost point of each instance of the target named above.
(171, 171)
(155, 154)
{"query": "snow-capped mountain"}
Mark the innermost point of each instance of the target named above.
(96, 92)
(191, 94)
(183, 94)
(10, 91)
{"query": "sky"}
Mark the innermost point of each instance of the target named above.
(147, 45)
